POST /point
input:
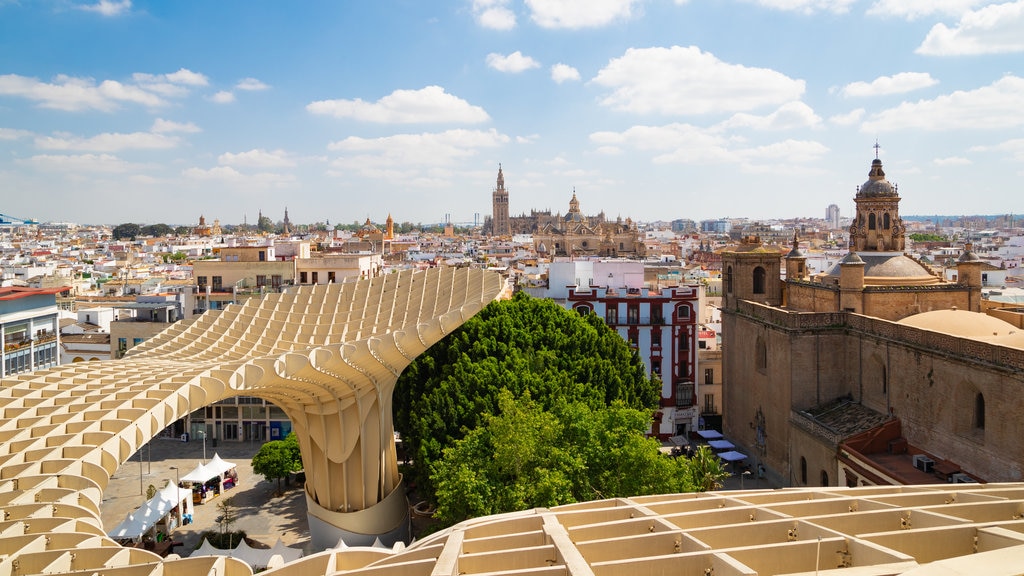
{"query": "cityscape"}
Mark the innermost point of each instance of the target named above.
(511, 287)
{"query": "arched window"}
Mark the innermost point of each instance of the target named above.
(583, 309)
(979, 411)
(759, 280)
(824, 478)
(871, 221)
(682, 311)
(728, 280)
(803, 470)
(885, 221)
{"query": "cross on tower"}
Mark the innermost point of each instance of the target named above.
(876, 147)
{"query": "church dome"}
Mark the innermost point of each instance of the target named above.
(966, 324)
(887, 269)
(876, 186)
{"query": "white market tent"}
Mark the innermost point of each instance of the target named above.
(256, 558)
(137, 523)
(721, 444)
(709, 434)
(215, 468)
(732, 456)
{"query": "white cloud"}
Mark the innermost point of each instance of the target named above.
(107, 7)
(494, 14)
(514, 62)
(223, 97)
(108, 142)
(808, 6)
(563, 73)
(789, 116)
(431, 104)
(161, 126)
(75, 94)
(68, 164)
(994, 29)
(425, 149)
(895, 84)
(257, 158)
(579, 13)
(992, 107)
(187, 77)
(13, 133)
(914, 9)
(951, 161)
(251, 84)
(228, 175)
(697, 145)
(848, 119)
(1013, 147)
(687, 81)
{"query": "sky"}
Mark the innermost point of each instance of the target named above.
(151, 111)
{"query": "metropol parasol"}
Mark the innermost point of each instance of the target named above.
(329, 356)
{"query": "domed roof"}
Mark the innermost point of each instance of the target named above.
(876, 185)
(966, 324)
(888, 269)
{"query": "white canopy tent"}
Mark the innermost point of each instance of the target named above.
(256, 558)
(721, 444)
(709, 434)
(215, 468)
(732, 456)
(153, 512)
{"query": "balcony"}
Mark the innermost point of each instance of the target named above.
(684, 394)
(23, 344)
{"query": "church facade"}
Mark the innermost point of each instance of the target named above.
(858, 375)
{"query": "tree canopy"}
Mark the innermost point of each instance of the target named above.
(157, 230)
(527, 457)
(127, 231)
(278, 458)
(521, 345)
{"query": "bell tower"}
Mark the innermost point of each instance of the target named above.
(877, 226)
(499, 207)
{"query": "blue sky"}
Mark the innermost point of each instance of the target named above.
(159, 111)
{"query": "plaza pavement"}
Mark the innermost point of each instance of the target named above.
(263, 516)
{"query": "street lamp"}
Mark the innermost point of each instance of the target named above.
(745, 473)
(203, 432)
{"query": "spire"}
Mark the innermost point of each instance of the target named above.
(501, 178)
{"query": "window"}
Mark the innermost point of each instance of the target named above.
(263, 256)
(824, 478)
(682, 311)
(201, 280)
(302, 278)
(275, 280)
(316, 277)
(728, 280)
(759, 280)
(871, 221)
(657, 316)
(261, 280)
(583, 309)
(655, 337)
(684, 344)
(137, 341)
(122, 347)
(709, 404)
(885, 221)
(979, 411)
(218, 282)
(684, 394)
(611, 315)
(330, 277)
(633, 314)
(709, 376)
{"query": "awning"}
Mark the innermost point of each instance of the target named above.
(709, 434)
(732, 456)
(721, 444)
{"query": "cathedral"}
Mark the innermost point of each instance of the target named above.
(877, 371)
(571, 235)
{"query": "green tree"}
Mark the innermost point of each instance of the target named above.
(527, 457)
(126, 231)
(705, 469)
(275, 459)
(228, 516)
(519, 345)
(265, 224)
(157, 230)
(182, 231)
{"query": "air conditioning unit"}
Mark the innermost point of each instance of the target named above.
(961, 478)
(923, 463)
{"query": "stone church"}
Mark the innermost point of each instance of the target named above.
(877, 371)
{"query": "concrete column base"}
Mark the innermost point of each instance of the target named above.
(387, 520)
